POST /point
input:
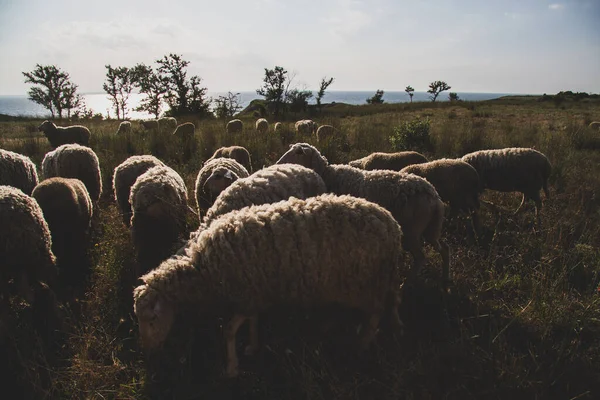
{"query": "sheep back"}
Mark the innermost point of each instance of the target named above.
(262, 125)
(124, 128)
(18, 171)
(324, 132)
(392, 161)
(234, 126)
(238, 153)
(185, 131)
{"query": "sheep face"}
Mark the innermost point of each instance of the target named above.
(155, 318)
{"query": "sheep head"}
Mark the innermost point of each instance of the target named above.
(219, 180)
(306, 155)
(155, 316)
(46, 126)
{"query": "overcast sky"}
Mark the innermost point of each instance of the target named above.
(498, 46)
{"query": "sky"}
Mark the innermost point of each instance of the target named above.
(492, 46)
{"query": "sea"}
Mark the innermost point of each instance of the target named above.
(20, 105)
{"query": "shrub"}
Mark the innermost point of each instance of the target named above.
(412, 135)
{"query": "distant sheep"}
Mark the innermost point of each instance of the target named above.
(324, 133)
(315, 252)
(185, 131)
(238, 153)
(149, 124)
(124, 177)
(214, 177)
(305, 127)
(59, 135)
(167, 123)
(277, 127)
(594, 125)
(75, 161)
(18, 171)
(159, 202)
(513, 169)
(124, 128)
(234, 126)
(262, 125)
(412, 200)
(391, 161)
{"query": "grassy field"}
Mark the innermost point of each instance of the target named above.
(522, 320)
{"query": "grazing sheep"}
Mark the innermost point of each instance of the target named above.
(149, 124)
(124, 177)
(277, 127)
(456, 181)
(238, 153)
(124, 128)
(234, 126)
(167, 123)
(67, 209)
(75, 161)
(262, 125)
(314, 252)
(18, 171)
(594, 125)
(305, 127)
(412, 200)
(185, 131)
(391, 161)
(513, 169)
(59, 135)
(159, 202)
(214, 177)
(324, 133)
(25, 244)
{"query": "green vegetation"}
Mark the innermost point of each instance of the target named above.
(377, 98)
(437, 87)
(522, 319)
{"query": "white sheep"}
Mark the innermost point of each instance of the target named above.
(262, 125)
(234, 126)
(394, 161)
(18, 171)
(238, 153)
(75, 161)
(314, 252)
(305, 127)
(59, 135)
(124, 128)
(513, 169)
(278, 127)
(324, 133)
(412, 200)
(125, 175)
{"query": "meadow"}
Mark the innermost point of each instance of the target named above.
(522, 318)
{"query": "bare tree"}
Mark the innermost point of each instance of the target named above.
(323, 86)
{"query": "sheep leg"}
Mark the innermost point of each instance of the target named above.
(253, 346)
(230, 332)
(370, 331)
(520, 208)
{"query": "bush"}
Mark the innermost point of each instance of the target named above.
(412, 135)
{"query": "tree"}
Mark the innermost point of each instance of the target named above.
(411, 92)
(274, 88)
(437, 87)
(298, 99)
(377, 98)
(118, 86)
(227, 106)
(55, 91)
(151, 84)
(324, 85)
(453, 96)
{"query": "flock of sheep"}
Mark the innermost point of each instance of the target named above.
(300, 232)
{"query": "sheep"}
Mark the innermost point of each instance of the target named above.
(68, 210)
(59, 135)
(277, 127)
(412, 200)
(238, 153)
(214, 176)
(391, 161)
(149, 124)
(324, 133)
(456, 181)
(185, 131)
(513, 169)
(75, 161)
(125, 175)
(314, 252)
(159, 202)
(25, 244)
(18, 171)
(305, 127)
(234, 126)
(167, 123)
(594, 125)
(262, 125)
(124, 128)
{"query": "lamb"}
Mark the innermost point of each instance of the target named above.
(305, 127)
(124, 177)
(59, 135)
(124, 128)
(159, 202)
(185, 131)
(68, 210)
(149, 124)
(456, 181)
(412, 200)
(314, 252)
(324, 133)
(25, 244)
(262, 125)
(215, 176)
(75, 161)
(513, 169)
(234, 126)
(391, 161)
(18, 171)
(238, 153)
(167, 123)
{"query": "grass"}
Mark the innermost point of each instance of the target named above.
(522, 320)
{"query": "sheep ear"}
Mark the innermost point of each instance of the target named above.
(228, 175)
